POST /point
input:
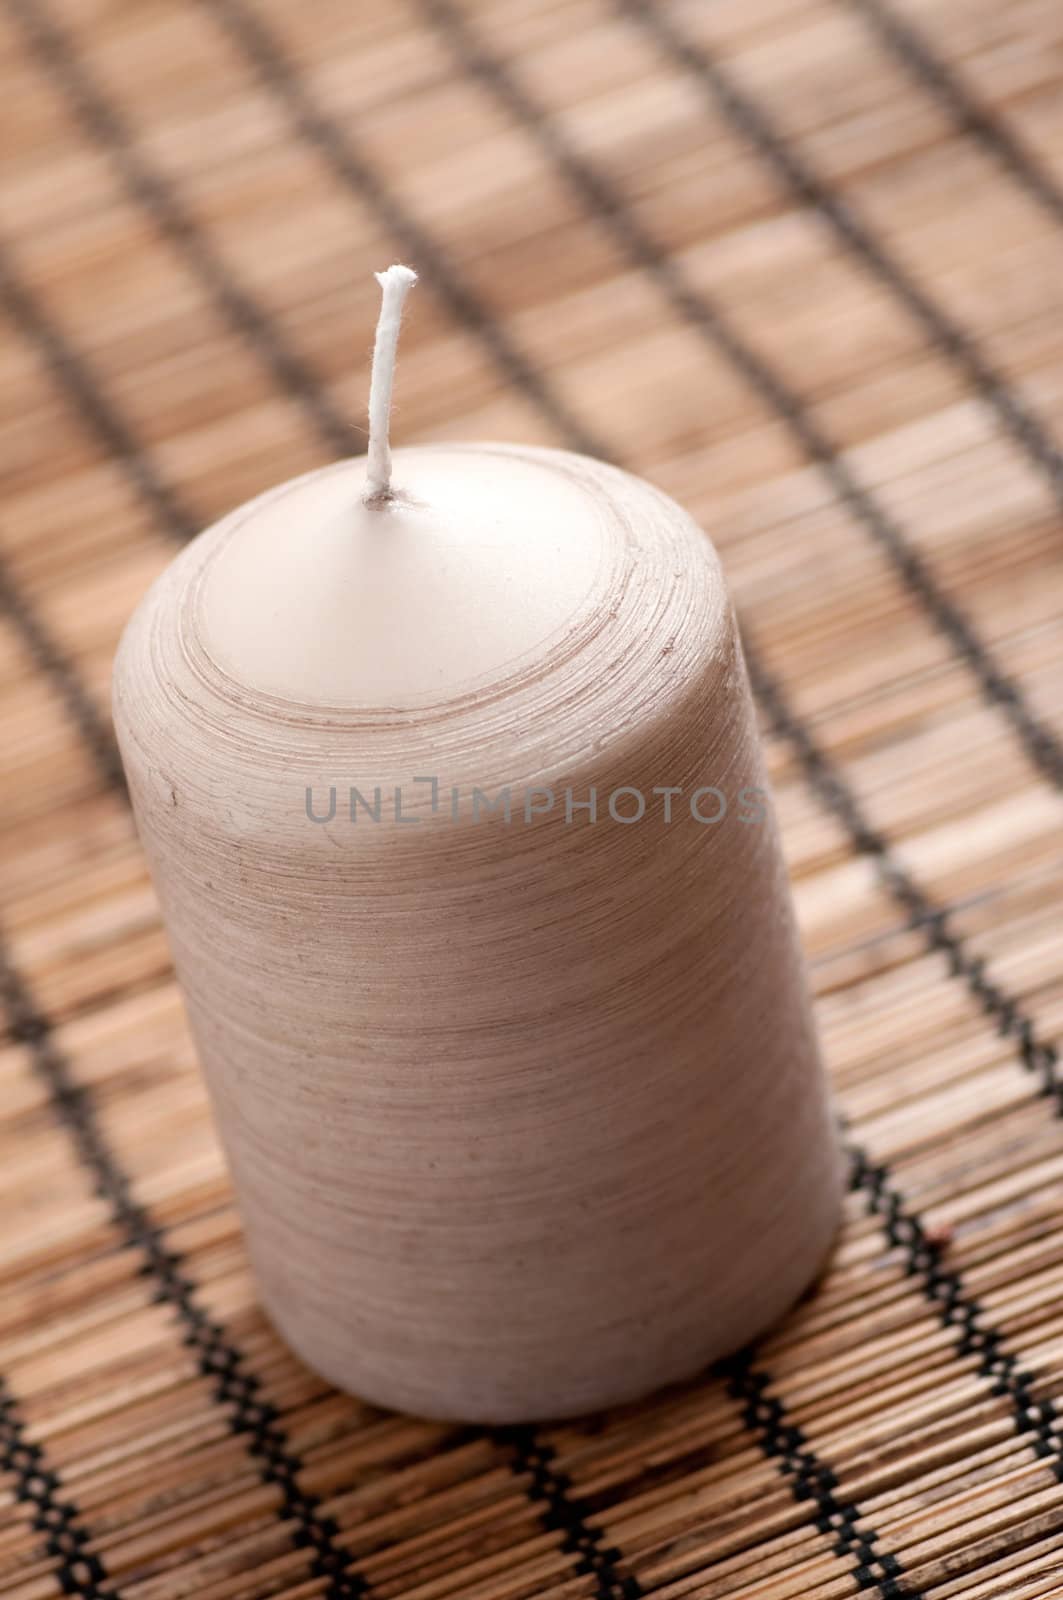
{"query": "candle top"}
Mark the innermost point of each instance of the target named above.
(514, 615)
(470, 574)
(478, 566)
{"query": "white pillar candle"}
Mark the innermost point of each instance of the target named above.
(522, 1102)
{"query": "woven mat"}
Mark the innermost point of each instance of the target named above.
(799, 261)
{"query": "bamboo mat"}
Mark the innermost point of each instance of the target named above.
(800, 262)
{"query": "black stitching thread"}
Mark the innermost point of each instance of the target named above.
(54, 664)
(604, 201)
(913, 50)
(812, 1480)
(552, 1488)
(943, 1288)
(1038, 1056)
(147, 188)
(235, 1387)
(74, 376)
(79, 1570)
(72, 373)
(753, 123)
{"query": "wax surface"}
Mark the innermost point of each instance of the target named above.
(476, 567)
(524, 1110)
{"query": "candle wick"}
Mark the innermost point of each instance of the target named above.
(395, 285)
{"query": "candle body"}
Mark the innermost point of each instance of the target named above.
(518, 1082)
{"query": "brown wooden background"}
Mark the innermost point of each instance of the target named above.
(801, 262)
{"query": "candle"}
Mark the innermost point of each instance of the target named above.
(447, 774)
